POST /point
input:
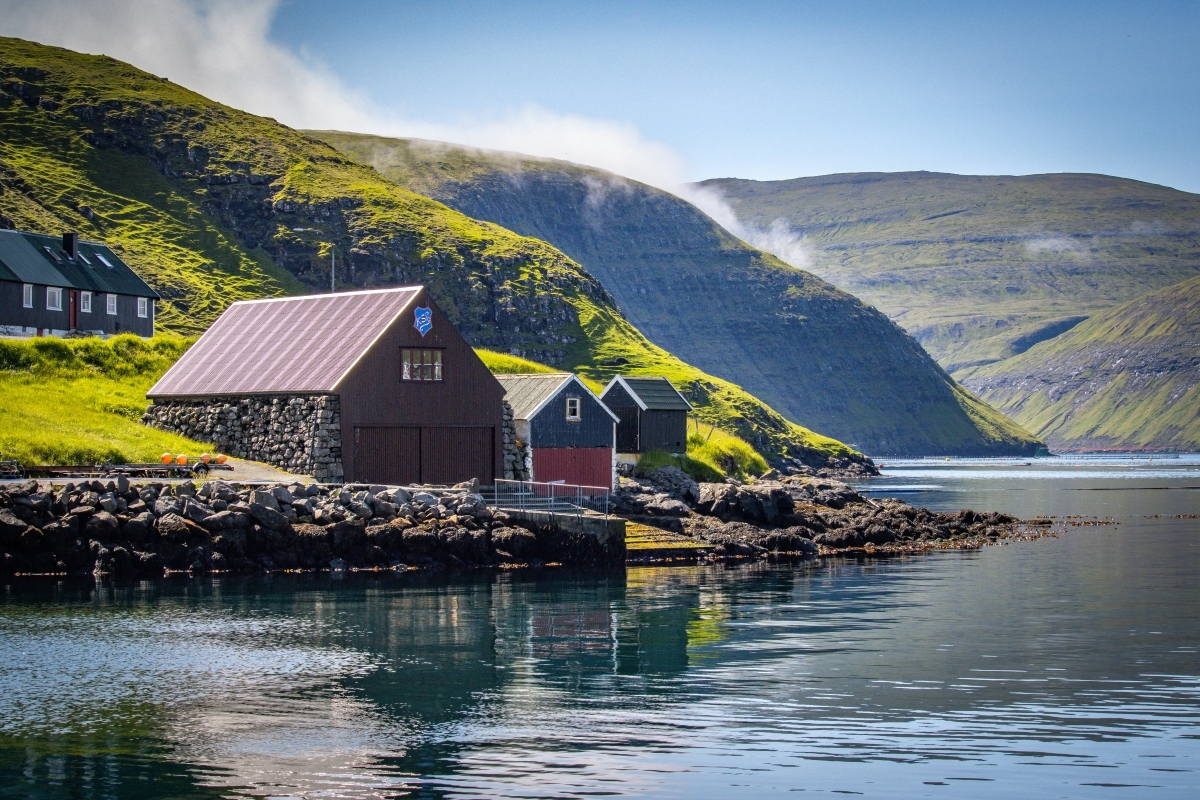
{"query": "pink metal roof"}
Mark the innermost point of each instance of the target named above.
(285, 345)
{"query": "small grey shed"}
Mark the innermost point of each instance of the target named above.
(652, 414)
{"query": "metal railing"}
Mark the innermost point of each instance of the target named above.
(560, 498)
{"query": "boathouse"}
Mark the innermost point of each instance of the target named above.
(567, 433)
(369, 387)
(652, 414)
(50, 286)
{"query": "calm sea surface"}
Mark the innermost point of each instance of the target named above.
(1063, 667)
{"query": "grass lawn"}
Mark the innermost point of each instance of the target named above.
(79, 401)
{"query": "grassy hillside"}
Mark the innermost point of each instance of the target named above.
(1127, 378)
(981, 268)
(79, 401)
(806, 348)
(212, 205)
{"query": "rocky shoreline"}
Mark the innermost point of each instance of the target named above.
(805, 515)
(148, 530)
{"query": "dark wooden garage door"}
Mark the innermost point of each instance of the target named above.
(389, 456)
(423, 455)
(580, 466)
(452, 455)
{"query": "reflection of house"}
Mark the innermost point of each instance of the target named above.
(372, 386)
(50, 285)
(570, 433)
(652, 413)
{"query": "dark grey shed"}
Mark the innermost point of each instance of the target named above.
(51, 284)
(652, 414)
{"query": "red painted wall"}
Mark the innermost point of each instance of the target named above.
(581, 466)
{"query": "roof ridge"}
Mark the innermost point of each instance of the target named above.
(286, 298)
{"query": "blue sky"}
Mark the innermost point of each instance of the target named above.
(777, 90)
(672, 92)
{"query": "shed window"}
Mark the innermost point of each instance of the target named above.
(573, 408)
(83, 258)
(112, 304)
(103, 260)
(52, 254)
(420, 365)
(85, 302)
(143, 307)
(53, 298)
(27, 295)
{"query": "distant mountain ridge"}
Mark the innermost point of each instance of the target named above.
(819, 355)
(1061, 299)
(1126, 379)
(980, 267)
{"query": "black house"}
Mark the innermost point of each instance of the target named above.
(652, 413)
(569, 434)
(51, 285)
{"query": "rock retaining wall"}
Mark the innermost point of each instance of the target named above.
(299, 434)
(518, 455)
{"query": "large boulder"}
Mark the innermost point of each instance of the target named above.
(103, 526)
(269, 517)
(676, 483)
(226, 521)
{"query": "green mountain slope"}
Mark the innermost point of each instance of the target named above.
(981, 268)
(212, 205)
(1126, 379)
(814, 352)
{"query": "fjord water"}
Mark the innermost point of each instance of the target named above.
(1063, 667)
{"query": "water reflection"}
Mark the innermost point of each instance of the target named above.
(1046, 668)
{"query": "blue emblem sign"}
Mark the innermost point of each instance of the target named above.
(424, 320)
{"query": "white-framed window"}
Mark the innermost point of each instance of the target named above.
(143, 307)
(53, 298)
(420, 365)
(112, 304)
(27, 295)
(85, 302)
(573, 409)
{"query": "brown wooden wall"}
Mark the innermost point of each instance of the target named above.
(372, 395)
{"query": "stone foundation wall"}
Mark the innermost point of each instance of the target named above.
(518, 455)
(299, 434)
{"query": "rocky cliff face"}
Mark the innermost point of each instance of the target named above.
(813, 352)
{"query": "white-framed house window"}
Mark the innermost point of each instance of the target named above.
(573, 409)
(27, 295)
(53, 298)
(143, 307)
(112, 304)
(85, 302)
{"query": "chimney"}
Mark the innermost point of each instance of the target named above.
(71, 244)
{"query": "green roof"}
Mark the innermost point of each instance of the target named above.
(36, 258)
(654, 394)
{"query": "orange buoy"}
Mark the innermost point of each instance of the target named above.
(221, 459)
(206, 458)
(167, 458)
(181, 460)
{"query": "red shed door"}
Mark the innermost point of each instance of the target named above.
(581, 466)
